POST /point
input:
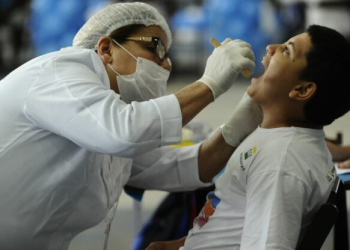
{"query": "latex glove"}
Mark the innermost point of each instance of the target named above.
(246, 117)
(225, 64)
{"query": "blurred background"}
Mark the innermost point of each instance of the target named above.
(29, 28)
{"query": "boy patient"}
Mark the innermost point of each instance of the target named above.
(282, 173)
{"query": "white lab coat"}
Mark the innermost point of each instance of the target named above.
(68, 145)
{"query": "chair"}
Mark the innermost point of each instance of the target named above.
(324, 220)
(341, 238)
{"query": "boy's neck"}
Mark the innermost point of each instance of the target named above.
(272, 120)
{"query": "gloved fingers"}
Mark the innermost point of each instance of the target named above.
(246, 63)
(237, 40)
(248, 53)
(241, 48)
(241, 44)
(245, 100)
(236, 46)
(227, 40)
(226, 63)
(244, 120)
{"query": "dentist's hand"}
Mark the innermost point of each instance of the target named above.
(225, 64)
(246, 117)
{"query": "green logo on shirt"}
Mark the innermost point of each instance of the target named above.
(241, 161)
(330, 175)
(247, 154)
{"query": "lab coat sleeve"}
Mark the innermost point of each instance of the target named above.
(275, 204)
(168, 169)
(71, 100)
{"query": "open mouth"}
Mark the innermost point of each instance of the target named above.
(265, 64)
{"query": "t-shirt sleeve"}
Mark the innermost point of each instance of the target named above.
(275, 204)
(69, 99)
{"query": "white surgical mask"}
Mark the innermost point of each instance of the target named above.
(149, 80)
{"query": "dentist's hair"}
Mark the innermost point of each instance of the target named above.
(122, 33)
(116, 16)
(328, 66)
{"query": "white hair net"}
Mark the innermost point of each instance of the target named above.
(115, 16)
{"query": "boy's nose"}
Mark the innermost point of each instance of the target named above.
(270, 49)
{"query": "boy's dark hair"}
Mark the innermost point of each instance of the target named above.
(328, 65)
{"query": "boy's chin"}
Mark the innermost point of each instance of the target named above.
(256, 80)
(251, 91)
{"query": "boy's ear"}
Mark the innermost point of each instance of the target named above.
(303, 91)
(104, 49)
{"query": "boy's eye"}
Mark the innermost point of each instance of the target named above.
(286, 50)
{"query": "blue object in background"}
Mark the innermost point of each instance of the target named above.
(254, 21)
(188, 51)
(54, 23)
(192, 17)
(345, 177)
(237, 20)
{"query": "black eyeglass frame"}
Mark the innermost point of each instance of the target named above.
(159, 47)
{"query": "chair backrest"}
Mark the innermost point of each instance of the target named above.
(323, 221)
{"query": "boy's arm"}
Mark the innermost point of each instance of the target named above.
(339, 153)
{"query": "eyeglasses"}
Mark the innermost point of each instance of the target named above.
(159, 47)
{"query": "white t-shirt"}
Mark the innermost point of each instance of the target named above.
(271, 188)
(68, 145)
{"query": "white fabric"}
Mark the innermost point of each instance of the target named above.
(149, 80)
(175, 170)
(115, 16)
(58, 122)
(225, 64)
(244, 119)
(271, 188)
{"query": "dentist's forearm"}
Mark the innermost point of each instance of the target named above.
(213, 156)
(193, 98)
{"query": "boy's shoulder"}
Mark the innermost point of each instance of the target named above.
(276, 149)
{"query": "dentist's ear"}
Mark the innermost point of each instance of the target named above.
(303, 92)
(104, 49)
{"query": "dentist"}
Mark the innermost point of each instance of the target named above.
(79, 124)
